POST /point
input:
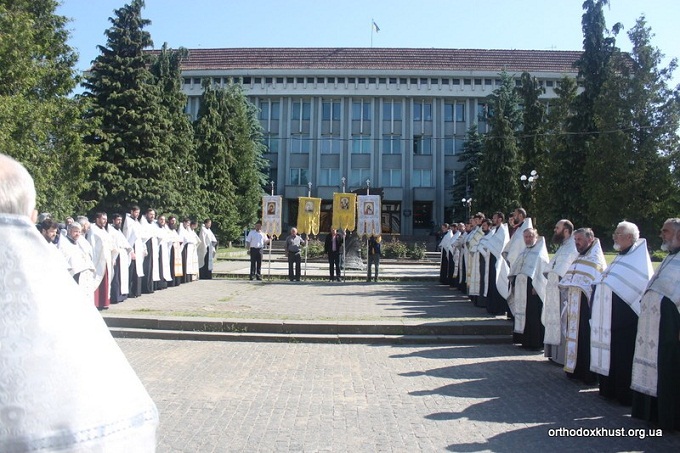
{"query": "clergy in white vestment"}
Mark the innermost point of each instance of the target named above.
(132, 229)
(190, 242)
(57, 353)
(516, 243)
(176, 267)
(473, 263)
(120, 282)
(164, 246)
(451, 255)
(104, 253)
(614, 313)
(554, 314)
(443, 246)
(497, 274)
(78, 259)
(578, 281)
(206, 250)
(656, 363)
(527, 290)
(484, 257)
(460, 245)
(149, 234)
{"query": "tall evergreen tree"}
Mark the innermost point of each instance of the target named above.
(40, 125)
(178, 135)
(126, 115)
(532, 136)
(466, 180)
(498, 188)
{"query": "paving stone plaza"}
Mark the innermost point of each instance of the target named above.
(244, 396)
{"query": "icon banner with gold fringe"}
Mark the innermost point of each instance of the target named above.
(271, 215)
(344, 211)
(369, 215)
(309, 211)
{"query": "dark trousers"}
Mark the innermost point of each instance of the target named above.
(294, 259)
(255, 263)
(334, 265)
(135, 288)
(373, 260)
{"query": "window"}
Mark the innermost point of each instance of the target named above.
(358, 177)
(391, 111)
(460, 145)
(449, 178)
(422, 145)
(361, 144)
(422, 214)
(391, 178)
(329, 177)
(361, 111)
(331, 145)
(481, 112)
(448, 112)
(300, 144)
(302, 110)
(460, 112)
(391, 144)
(330, 111)
(298, 177)
(269, 110)
(422, 178)
(271, 141)
(449, 146)
(422, 111)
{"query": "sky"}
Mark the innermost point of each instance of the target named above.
(478, 24)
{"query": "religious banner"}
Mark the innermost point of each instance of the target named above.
(309, 211)
(369, 215)
(271, 215)
(344, 211)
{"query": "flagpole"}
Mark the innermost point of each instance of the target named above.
(269, 272)
(309, 227)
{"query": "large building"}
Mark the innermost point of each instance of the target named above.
(393, 119)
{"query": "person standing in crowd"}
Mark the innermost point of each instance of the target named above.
(614, 313)
(527, 290)
(583, 272)
(483, 254)
(206, 251)
(460, 245)
(120, 282)
(176, 264)
(332, 246)
(374, 257)
(555, 296)
(515, 245)
(293, 244)
(49, 230)
(656, 363)
(451, 254)
(133, 232)
(497, 274)
(163, 255)
(190, 242)
(151, 272)
(78, 259)
(104, 253)
(57, 352)
(255, 242)
(446, 235)
(473, 265)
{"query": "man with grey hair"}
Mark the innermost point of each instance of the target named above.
(656, 363)
(614, 313)
(78, 259)
(583, 272)
(56, 349)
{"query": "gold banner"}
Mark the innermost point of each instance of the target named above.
(344, 211)
(309, 211)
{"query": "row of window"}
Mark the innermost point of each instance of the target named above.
(362, 111)
(361, 144)
(418, 81)
(359, 176)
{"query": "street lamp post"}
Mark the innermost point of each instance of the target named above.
(529, 181)
(467, 202)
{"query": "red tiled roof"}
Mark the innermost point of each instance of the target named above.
(338, 58)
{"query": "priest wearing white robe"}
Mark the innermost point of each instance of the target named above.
(443, 246)
(133, 231)
(150, 237)
(78, 259)
(206, 251)
(57, 354)
(578, 281)
(614, 313)
(527, 290)
(104, 253)
(497, 275)
(554, 307)
(120, 282)
(190, 242)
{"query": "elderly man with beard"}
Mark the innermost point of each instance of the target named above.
(656, 363)
(583, 272)
(554, 313)
(614, 313)
(527, 290)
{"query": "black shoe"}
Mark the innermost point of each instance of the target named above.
(258, 278)
(251, 277)
(297, 279)
(292, 279)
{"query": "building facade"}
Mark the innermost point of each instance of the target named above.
(393, 119)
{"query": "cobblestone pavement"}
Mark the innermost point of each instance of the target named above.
(264, 397)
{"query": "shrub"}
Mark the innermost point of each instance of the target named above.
(658, 255)
(315, 248)
(394, 249)
(417, 251)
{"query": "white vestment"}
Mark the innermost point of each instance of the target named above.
(473, 270)
(207, 246)
(134, 233)
(164, 246)
(529, 264)
(551, 317)
(150, 232)
(104, 254)
(578, 281)
(496, 244)
(57, 356)
(124, 249)
(516, 243)
(664, 283)
(627, 277)
(79, 261)
(191, 241)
